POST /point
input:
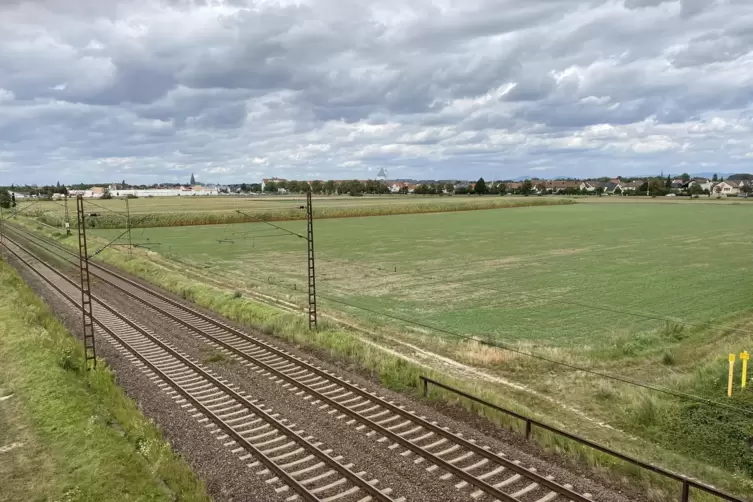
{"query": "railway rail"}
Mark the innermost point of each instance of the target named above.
(469, 466)
(291, 462)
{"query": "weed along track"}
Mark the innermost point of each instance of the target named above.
(292, 462)
(462, 465)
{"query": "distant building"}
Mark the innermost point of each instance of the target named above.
(267, 181)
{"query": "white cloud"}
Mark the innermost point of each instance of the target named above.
(237, 90)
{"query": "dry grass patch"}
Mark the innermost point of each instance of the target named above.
(474, 352)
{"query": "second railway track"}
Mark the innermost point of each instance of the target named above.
(464, 463)
(293, 464)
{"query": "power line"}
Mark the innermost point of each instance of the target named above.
(562, 300)
(119, 213)
(609, 376)
(503, 346)
(630, 381)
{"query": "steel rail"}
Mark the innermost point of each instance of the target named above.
(460, 473)
(283, 429)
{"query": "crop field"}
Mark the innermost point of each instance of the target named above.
(199, 210)
(563, 276)
(654, 291)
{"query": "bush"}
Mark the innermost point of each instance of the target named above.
(131, 196)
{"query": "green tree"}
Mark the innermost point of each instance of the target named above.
(449, 188)
(5, 199)
(668, 183)
(294, 187)
(599, 191)
(480, 188)
(330, 187)
(657, 187)
(502, 188)
(617, 191)
(526, 188)
(282, 184)
(255, 187)
(355, 187)
(270, 187)
(695, 189)
(643, 187)
(193, 180)
(715, 177)
(244, 188)
(746, 189)
(317, 187)
(685, 177)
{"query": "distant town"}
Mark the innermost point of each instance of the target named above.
(685, 184)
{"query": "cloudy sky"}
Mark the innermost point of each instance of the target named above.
(237, 90)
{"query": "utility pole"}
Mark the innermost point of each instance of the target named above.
(311, 267)
(2, 226)
(128, 226)
(86, 297)
(67, 218)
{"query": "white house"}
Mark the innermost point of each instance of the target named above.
(589, 186)
(704, 183)
(729, 187)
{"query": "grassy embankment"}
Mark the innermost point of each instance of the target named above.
(164, 213)
(652, 418)
(67, 434)
(587, 285)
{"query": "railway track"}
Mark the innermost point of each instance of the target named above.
(292, 463)
(485, 475)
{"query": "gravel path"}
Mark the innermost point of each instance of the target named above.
(229, 479)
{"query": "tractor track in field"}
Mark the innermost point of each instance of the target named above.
(444, 463)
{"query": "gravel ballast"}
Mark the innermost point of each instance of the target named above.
(229, 479)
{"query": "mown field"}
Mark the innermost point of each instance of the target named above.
(565, 276)
(654, 291)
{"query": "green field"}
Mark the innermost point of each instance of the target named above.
(650, 290)
(531, 274)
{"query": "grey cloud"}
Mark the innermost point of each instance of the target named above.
(688, 8)
(163, 87)
(637, 4)
(710, 48)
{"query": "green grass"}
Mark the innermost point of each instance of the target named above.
(80, 438)
(526, 275)
(476, 273)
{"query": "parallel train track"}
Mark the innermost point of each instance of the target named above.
(289, 460)
(469, 466)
